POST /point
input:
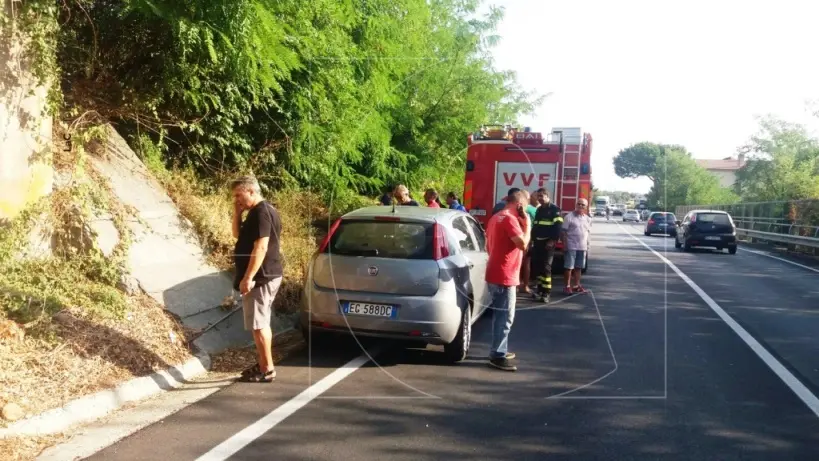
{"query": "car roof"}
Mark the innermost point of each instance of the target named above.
(709, 211)
(418, 213)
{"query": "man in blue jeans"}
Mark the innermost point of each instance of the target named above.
(507, 235)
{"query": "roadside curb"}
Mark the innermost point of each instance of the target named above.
(92, 407)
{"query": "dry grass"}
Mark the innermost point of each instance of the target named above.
(27, 448)
(235, 360)
(87, 354)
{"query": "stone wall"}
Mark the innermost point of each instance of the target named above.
(25, 134)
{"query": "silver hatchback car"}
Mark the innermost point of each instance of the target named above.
(408, 273)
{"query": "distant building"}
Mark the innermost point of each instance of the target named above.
(724, 169)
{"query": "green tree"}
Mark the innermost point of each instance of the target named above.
(677, 178)
(338, 96)
(641, 159)
(784, 163)
(680, 181)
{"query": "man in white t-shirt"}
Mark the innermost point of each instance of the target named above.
(575, 235)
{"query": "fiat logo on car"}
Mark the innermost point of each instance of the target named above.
(372, 270)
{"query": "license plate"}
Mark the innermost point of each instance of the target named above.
(713, 238)
(368, 309)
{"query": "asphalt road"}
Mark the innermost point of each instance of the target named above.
(642, 368)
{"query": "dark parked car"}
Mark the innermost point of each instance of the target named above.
(707, 228)
(660, 222)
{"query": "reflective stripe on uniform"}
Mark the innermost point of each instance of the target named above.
(545, 282)
(549, 222)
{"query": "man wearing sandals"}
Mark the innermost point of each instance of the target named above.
(575, 235)
(259, 269)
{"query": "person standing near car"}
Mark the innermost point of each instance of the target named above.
(507, 236)
(259, 269)
(575, 235)
(402, 196)
(452, 201)
(545, 235)
(431, 198)
(502, 204)
(526, 267)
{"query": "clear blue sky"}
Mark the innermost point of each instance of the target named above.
(694, 73)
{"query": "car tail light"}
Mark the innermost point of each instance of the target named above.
(440, 249)
(388, 218)
(326, 240)
(651, 221)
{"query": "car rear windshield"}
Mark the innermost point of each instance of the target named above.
(663, 217)
(716, 218)
(382, 239)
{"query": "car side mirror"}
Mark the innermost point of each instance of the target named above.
(678, 222)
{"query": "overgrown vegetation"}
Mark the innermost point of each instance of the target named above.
(66, 329)
(336, 97)
(783, 163)
(326, 102)
(77, 274)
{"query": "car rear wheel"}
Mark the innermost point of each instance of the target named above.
(647, 233)
(458, 349)
(732, 250)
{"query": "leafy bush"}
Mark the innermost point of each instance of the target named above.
(320, 95)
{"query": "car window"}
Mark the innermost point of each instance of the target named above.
(477, 231)
(382, 239)
(462, 234)
(663, 217)
(716, 218)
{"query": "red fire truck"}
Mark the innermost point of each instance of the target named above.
(501, 157)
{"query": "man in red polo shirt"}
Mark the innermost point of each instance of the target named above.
(507, 235)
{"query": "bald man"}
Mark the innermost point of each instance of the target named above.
(575, 235)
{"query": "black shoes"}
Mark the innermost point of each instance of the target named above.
(503, 363)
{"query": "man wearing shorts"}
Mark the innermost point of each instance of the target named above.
(575, 234)
(259, 269)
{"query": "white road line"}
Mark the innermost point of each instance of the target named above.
(247, 435)
(760, 253)
(775, 365)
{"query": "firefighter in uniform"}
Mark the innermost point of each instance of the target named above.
(545, 234)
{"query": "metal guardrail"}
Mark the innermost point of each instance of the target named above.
(789, 239)
(794, 222)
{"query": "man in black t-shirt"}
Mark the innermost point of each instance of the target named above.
(259, 269)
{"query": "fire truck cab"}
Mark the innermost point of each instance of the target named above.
(501, 157)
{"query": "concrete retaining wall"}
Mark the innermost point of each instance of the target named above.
(25, 134)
